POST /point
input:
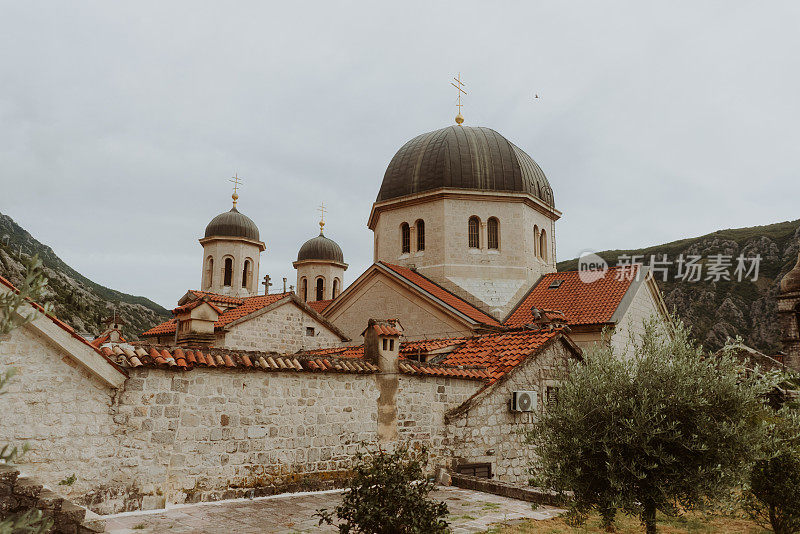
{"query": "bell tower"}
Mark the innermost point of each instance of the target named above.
(231, 252)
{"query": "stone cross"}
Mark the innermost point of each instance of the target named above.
(266, 283)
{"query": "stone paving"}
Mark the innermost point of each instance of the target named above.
(470, 511)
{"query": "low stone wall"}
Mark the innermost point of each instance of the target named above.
(507, 489)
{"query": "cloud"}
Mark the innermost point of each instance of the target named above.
(122, 122)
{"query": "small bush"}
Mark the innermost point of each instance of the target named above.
(388, 495)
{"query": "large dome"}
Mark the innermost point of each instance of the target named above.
(232, 224)
(791, 280)
(463, 157)
(321, 248)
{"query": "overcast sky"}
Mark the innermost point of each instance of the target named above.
(120, 123)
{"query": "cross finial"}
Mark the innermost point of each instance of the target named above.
(237, 182)
(266, 283)
(321, 210)
(460, 86)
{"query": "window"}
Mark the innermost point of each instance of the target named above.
(304, 289)
(320, 288)
(310, 331)
(551, 396)
(536, 240)
(420, 224)
(335, 292)
(543, 245)
(493, 230)
(391, 344)
(228, 272)
(209, 272)
(405, 238)
(246, 274)
(555, 284)
(476, 470)
(472, 231)
(385, 344)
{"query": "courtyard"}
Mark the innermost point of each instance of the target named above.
(470, 511)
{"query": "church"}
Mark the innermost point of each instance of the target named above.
(464, 228)
(454, 338)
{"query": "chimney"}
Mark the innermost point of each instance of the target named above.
(382, 343)
(382, 347)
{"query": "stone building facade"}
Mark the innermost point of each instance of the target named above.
(789, 316)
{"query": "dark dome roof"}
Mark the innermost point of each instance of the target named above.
(320, 248)
(232, 224)
(463, 157)
(791, 280)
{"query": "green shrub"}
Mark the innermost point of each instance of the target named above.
(662, 430)
(387, 494)
(773, 496)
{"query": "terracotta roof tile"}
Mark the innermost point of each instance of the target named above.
(581, 303)
(242, 307)
(442, 294)
(181, 359)
(319, 305)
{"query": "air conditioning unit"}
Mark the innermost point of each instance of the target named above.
(523, 401)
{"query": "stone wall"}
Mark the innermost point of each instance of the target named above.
(487, 431)
(65, 415)
(496, 278)
(210, 434)
(282, 330)
(382, 297)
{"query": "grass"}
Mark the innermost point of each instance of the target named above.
(694, 523)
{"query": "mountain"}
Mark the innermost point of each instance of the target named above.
(77, 300)
(717, 310)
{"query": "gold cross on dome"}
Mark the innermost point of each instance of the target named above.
(460, 87)
(237, 182)
(321, 210)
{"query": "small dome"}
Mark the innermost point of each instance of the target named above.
(232, 224)
(321, 248)
(463, 157)
(791, 281)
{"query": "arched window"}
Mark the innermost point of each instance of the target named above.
(543, 245)
(473, 229)
(304, 289)
(228, 272)
(493, 233)
(536, 240)
(420, 224)
(209, 272)
(405, 238)
(246, 272)
(320, 288)
(335, 292)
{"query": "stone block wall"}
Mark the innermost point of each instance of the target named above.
(487, 431)
(281, 330)
(62, 413)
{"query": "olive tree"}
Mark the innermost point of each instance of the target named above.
(661, 427)
(15, 312)
(773, 494)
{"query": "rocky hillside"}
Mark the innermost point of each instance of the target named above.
(76, 299)
(722, 309)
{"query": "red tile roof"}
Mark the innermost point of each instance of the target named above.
(96, 342)
(319, 305)
(187, 359)
(216, 297)
(245, 306)
(386, 330)
(442, 294)
(61, 324)
(581, 303)
(486, 357)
